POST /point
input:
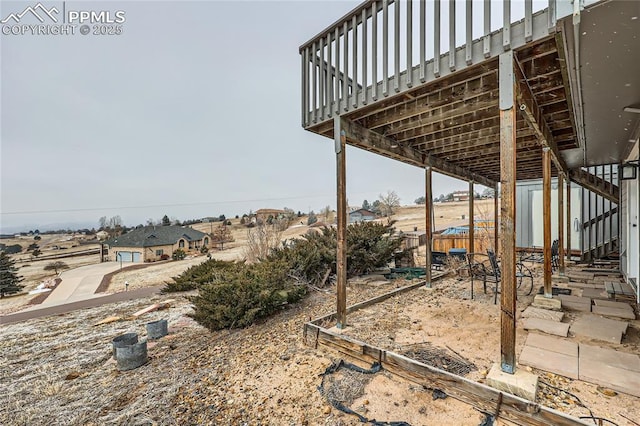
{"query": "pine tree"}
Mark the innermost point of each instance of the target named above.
(9, 278)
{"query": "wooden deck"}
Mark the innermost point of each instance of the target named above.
(455, 120)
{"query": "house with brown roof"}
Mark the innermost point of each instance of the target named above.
(361, 215)
(152, 243)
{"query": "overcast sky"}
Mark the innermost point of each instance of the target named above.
(193, 111)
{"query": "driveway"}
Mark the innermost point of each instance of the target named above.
(79, 283)
(44, 311)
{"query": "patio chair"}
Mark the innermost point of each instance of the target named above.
(438, 260)
(488, 270)
(479, 269)
(555, 255)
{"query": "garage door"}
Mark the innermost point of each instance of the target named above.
(136, 256)
(124, 256)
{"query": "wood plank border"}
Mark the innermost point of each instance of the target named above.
(480, 396)
(374, 300)
(483, 397)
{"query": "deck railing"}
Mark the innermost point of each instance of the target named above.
(383, 48)
(600, 217)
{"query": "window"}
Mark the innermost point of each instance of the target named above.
(159, 252)
(181, 243)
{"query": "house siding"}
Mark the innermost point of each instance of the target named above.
(149, 253)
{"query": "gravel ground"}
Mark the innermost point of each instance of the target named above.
(59, 370)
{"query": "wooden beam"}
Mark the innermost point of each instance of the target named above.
(430, 93)
(533, 114)
(484, 398)
(341, 252)
(450, 169)
(428, 191)
(450, 118)
(508, 213)
(466, 134)
(432, 104)
(495, 218)
(600, 217)
(589, 233)
(377, 299)
(472, 153)
(546, 218)
(420, 135)
(471, 222)
(561, 223)
(478, 137)
(569, 221)
(369, 140)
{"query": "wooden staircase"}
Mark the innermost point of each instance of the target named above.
(595, 184)
(600, 211)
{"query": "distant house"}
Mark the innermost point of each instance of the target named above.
(152, 243)
(263, 215)
(461, 196)
(361, 215)
(102, 235)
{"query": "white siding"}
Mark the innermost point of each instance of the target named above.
(529, 225)
(631, 205)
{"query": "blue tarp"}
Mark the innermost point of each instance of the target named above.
(464, 229)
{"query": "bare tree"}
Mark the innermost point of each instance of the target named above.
(389, 203)
(115, 221)
(222, 235)
(288, 218)
(102, 222)
(327, 214)
(489, 193)
(56, 266)
(261, 240)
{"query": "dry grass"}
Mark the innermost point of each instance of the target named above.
(409, 217)
(60, 371)
(345, 386)
(445, 214)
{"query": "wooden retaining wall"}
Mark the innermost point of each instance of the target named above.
(480, 396)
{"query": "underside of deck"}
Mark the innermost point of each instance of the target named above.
(542, 96)
(456, 119)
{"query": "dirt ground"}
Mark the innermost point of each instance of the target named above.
(61, 371)
(445, 317)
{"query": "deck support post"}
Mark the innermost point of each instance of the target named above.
(568, 252)
(428, 209)
(341, 253)
(496, 213)
(472, 228)
(561, 224)
(546, 219)
(508, 213)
